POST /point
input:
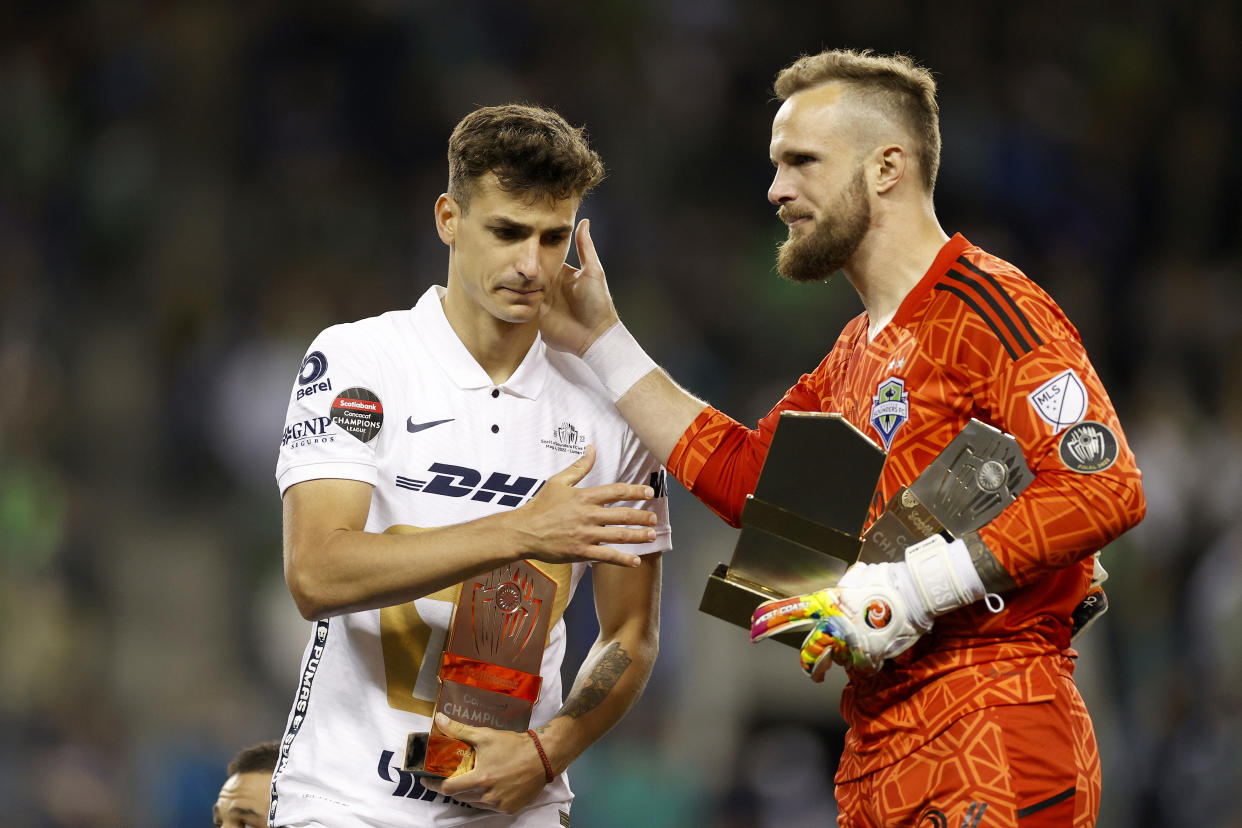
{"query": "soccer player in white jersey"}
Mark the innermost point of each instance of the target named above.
(455, 418)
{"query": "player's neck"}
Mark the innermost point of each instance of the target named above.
(498, 346)
(893, 258)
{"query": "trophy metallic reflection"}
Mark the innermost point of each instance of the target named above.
(489, 676)
(800, 527)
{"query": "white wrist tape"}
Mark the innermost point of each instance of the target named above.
(944, 574)
(618, 360)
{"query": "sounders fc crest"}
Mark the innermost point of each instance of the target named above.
(890, 407)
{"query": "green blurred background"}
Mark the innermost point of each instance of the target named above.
(190, 191)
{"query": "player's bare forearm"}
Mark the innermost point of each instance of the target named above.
(659, 411)
(345, 569)
(616, 670)
(333, 566)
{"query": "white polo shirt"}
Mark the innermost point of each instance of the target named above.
(398, 402)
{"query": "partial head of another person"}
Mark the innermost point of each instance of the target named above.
(517, 174)
(245, 797)
(852, 127)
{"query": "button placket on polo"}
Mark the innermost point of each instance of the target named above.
(496, 412)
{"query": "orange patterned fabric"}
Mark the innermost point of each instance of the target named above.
(1017, 766)
(974, 339)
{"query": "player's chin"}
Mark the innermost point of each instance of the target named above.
(519, 308)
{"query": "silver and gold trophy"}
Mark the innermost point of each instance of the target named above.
(800, 527)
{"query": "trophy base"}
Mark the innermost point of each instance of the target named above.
(435, 756)
(416, 756)
(734, 600)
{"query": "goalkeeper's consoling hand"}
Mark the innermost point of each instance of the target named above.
(877, 610)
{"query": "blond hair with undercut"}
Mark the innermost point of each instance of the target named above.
(898, 88)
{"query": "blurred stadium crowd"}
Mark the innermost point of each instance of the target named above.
(189, 191)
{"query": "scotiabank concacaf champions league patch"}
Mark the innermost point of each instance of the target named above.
(359, 412)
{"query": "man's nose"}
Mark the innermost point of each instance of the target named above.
(781, 191)
(528, 260)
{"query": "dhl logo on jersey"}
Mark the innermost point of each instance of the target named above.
(463, 481)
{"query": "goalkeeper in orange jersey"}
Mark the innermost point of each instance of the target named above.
(962, 711)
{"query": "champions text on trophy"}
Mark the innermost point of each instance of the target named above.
(489, 676)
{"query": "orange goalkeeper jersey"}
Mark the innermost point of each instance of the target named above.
(974, 339)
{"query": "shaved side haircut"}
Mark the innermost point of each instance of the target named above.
(901, 90)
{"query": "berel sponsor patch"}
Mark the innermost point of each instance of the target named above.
(1061, 401)
(1088, 447)
(311, 378)
(313, 367)
(359, 412)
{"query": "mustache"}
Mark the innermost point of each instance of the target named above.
(789, 216)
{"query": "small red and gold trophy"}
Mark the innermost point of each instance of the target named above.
(489, 676)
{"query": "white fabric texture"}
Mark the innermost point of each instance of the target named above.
(452, 447)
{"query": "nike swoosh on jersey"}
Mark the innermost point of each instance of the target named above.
(414, 427)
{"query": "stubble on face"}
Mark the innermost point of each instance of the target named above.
(836, 237)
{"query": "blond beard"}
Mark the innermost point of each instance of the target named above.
(833, 241)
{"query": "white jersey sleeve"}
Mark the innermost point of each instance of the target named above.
(640, 466)
(336, 411)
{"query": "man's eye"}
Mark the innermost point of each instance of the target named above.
(555, 239)
(506, 234)
(799, 160)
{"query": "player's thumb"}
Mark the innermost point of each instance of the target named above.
(575, 471)
(587, 257)
(456, 730)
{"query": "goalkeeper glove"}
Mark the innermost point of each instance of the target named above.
(1094, 605)
(877, 610)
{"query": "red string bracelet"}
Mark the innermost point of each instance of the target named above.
(548, 775)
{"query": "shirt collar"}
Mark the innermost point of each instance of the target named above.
(440, 340)
(948, 254)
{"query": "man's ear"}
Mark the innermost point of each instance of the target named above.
(448, 212)
(891, 164)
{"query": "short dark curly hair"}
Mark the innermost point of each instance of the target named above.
(256, 758)
(530, 149)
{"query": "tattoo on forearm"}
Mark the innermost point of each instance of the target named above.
(994, 576)
(609, 667)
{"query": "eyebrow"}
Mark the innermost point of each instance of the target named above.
(510, 224)
(792, 153)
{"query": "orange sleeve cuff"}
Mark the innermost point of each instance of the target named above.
(696, 444)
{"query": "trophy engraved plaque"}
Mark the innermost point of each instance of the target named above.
(799, 528)
(489, 676)
(977, 475)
